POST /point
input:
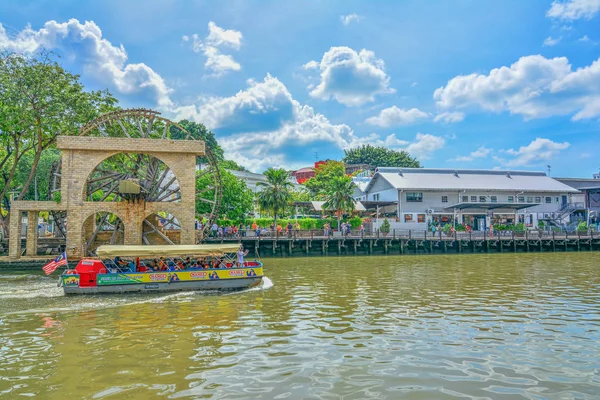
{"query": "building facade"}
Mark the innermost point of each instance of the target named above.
(424, 197)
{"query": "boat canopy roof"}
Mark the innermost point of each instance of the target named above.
(169, 250)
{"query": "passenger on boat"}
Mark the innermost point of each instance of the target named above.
(179, 266)
(240, 256)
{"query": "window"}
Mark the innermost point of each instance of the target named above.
(444, 199)
(511, 199)
(482, 199)
(465, 199)
(529, 199)
(473, 199)
(414, 197)
(548, 199)
(521, 199)
(494, 199)
(538, 199)
(420, 217)
(556, 200)
(376, 197)
(408, 218)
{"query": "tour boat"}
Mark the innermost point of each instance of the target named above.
(107, 275)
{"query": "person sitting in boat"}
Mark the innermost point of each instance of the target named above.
(179, 266)
(120, 262)
(240, 256)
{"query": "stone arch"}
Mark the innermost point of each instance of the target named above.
(102, 227)
(161, 157)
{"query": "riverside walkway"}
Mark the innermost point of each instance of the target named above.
(305, 243)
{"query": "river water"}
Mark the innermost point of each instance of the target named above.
(499, 326)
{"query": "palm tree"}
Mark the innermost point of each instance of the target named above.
(340, 196)
(276, 192)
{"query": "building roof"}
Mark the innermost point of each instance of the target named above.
(581, 183)
(466, 179)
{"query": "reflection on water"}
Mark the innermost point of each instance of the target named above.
(486, 327)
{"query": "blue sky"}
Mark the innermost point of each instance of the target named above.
(462, 84)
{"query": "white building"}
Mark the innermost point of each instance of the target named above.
(421, 196)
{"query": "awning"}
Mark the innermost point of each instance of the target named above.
(167, 251)
(490, 206)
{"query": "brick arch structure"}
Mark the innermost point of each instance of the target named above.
(161, 157)
(80, 156)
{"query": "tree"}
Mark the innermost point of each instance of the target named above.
(319, 184)
(230, 164)
(237, 199)
(39, 100)
(276, 192)
(340, 197)
(385, 227)
(379, 157)
(199, 132)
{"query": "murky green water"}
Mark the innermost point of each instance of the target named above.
(435, 327)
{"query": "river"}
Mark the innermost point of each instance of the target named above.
(501, 326)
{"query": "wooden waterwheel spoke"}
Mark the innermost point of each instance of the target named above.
(167, 194)
(155, 230)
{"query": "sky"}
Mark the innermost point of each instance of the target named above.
(506, 84)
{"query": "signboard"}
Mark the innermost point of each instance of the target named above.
(176, 276)
(70, 280)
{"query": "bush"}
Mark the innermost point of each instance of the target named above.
(582, 227)
(385, 226)
(355, 222)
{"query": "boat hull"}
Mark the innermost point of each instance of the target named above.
(158, 287)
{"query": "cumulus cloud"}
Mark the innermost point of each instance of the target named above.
(550, 41)
(211, 46)
(394, 116)
(571, 10)
(538, 151)
(264, 126)
(351, 78)
(347, 19)
(100, 58)
(534, 87)
(424, 145)
(449, 117)
(481, 152)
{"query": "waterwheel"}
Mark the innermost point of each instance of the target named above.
(156, 181)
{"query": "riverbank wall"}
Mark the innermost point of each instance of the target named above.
(322, 246)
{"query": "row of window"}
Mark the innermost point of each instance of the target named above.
(410, 218)
(417, 197)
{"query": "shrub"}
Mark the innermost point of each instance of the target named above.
(582, 227)
(385, 226)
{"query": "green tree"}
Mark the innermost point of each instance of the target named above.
(39, 100)
(385, 227)
(230, 164)
(237, 199)
(379, 157)
(276, 193)
(340, 197)
(199, 132)
(318, 185)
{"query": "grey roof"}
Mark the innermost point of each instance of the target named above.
(465, 179)
(580, 183)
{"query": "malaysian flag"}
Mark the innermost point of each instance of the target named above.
(57, 262)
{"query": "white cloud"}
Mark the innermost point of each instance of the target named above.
(347, 19)
(534, 87)
(311, 65)
(394, 116)
(217, 62)
(264, 126)
(351, 78)
(550, 41)
(571, 10)
(536, 152)
(99, 57)
(218, 36)
(424, 145)
(414, 84)
(481, 152)
(449, 117)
